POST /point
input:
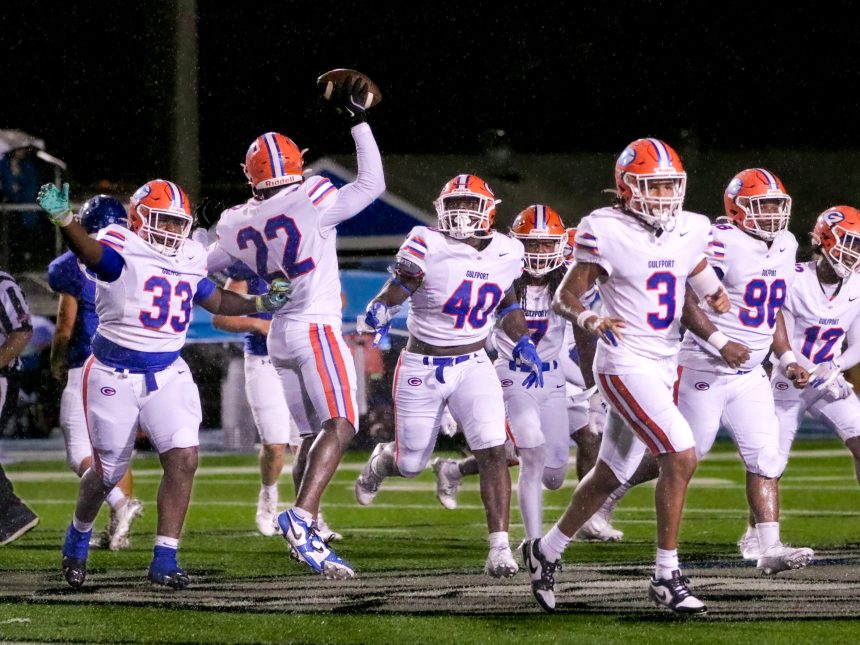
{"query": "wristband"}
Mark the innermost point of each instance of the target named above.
(501, 313)
(718, 340)
(787, 359)
(585, 315)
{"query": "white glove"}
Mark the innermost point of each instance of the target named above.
(827, 377)
(597, 411)
(447, 424)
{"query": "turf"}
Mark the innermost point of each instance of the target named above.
(420, 566)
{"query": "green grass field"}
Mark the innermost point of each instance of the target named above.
(419, 566)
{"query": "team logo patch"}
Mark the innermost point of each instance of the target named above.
(833, 217)
(627, 157)
(702, 386)
(735, 187)
(781, 385)
(414, 381)
(506, 382)
(141, 192)
(108, 391)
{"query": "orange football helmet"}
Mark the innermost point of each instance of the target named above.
(273, 160)
(160, 213)
(756, 201)
(837, 236)
(466, 207)
(539, 226)
(569, 245)
(651, 182)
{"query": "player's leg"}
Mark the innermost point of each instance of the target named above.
(750, 417)
(16, 518)
(477, 403)
(273, 421)
(843, 418)
(171, 417)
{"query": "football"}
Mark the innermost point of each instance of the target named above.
(336, 77)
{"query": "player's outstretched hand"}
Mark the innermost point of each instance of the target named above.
(719, 301)
(376, 320)
(56, 204)
(735, 354)
(525, 353)
(607, 327)
(276, 297)
(350, 99)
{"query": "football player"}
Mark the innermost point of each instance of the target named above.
(149, 278)
(644, 251)
(287, 228)
(70, 348)
(720, 376)
(278, 432)
(459, 277)
(822, 313)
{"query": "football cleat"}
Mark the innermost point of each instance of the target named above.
(267, 510)
(500, 563)
(674, 594)
(124, 517)
(308, 547)
(324, 530)
(446, 485)
(542, 574)
(782, 558)
(749, 544)
(75, 551)
(597, 529)
(164, 570)
(367, 484)
(15, 520)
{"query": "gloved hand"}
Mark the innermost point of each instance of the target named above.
(597, 411)
(377, 318)
(276, 297)
(208, 211)
(525, 353)
(827, 377)
(349, 100)
(56, 204)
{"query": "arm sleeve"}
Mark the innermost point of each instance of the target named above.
(205, 288)
(14, 312)
(110, 266)
(587, 247)
(370, 183)
(413, 250)
(64, 276)
(716, 250)
(217, 259)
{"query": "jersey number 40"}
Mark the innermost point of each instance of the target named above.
(460, 304)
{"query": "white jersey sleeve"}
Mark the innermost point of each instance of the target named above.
(462, 286)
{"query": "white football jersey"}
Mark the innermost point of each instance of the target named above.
(757, 278)
(817, 323)
(462, 286)
(149, 307)
(647, 275)
(546, 327)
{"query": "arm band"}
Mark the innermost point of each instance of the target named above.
(705, 282)
(585, 315)
(718, 340)
(110, 266)
(787, 359)
(397, 282)
(501, 313)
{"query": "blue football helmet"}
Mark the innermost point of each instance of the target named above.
(101, 210)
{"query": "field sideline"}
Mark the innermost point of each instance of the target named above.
(419, 566)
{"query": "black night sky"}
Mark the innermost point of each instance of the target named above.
(95, 79)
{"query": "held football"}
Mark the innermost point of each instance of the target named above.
(336, 77)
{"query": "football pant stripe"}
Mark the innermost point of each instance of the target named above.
(322, 370)
(342, 374)
(97, 463)
(646, 421)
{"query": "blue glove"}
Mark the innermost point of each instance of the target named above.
(276, 297)
(525, 353)
(56, 204)
(377, 318)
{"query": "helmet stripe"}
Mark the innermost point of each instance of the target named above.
(175, 194)
(771, 180)
(540, 219)
(663, 157)
(462, 181)
(274, 151)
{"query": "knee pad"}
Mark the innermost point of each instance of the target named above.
(553, 478)
(768, 463)
(410, 464)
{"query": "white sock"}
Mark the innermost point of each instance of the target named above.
(768, 534)
(271, 491)
(169, 542)
(83, 527)
(553, 544)
(499, 540)
(667, 563)
(612, 501)
(116, 499)
(305, 516)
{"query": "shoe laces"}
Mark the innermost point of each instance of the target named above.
(678, 585)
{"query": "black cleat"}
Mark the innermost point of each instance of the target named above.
(74, 571)
(173, 577)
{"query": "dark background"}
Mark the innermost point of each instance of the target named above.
(95, 79)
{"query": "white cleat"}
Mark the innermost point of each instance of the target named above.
(446, 485)
(367, 484)
(674, 594)
(267, 513)
(125, 515)
(324, 530)
(500, 563)
(749, 545)
(782, 558)
(597, 529)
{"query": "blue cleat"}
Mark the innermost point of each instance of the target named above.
(164, 570)
(307, 546)
(76, 548)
